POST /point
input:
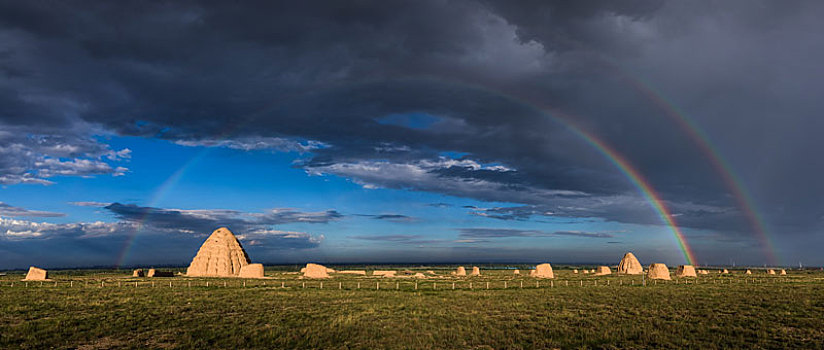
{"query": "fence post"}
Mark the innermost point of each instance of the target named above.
(377, 285)
(582, 283)
(303, 285)
(522, 285)
(504, 284)
(416, 285)
(71, 284)
(207, 283)
(340, 285)
(470, 285)
(434, 286)
(358, 285)
(397, 285)
(487, 285)
(551, 284)
(453, 285)
(282, 284)
(321, 285)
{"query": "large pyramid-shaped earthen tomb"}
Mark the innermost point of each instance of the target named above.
(220, 256)
(629, 265)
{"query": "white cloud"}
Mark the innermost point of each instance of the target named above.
(422, 175)
(31, 158)
(14, 229)
(252, 143)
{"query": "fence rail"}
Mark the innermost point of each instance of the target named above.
(381, 285)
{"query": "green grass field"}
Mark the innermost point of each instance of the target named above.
(571, 311)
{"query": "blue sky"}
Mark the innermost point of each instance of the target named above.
(416, 226)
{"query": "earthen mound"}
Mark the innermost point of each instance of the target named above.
(138, 273)
(36, 274)
(460, 271)
(315, 271)
(158, 273)
(475, 271)
(602, 270)
(251, 271)
(543, 271)
(221, 255)
(685, 271)
(629, 265)
(658, 271)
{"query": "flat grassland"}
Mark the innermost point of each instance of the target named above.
(91, 309)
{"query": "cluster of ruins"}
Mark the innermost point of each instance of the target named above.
(222, 255)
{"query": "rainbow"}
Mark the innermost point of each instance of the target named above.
(157, 196)
(722, 167)
(641, 183)
(612, 155)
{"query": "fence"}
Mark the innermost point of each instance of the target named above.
(376, 285)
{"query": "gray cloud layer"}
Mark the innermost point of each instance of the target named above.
(323, 78)
(12, 211)
(467, 233)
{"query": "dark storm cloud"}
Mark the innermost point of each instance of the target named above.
(207, 220)
(324, 77)
(395, 217)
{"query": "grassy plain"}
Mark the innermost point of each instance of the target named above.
(572, 311)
